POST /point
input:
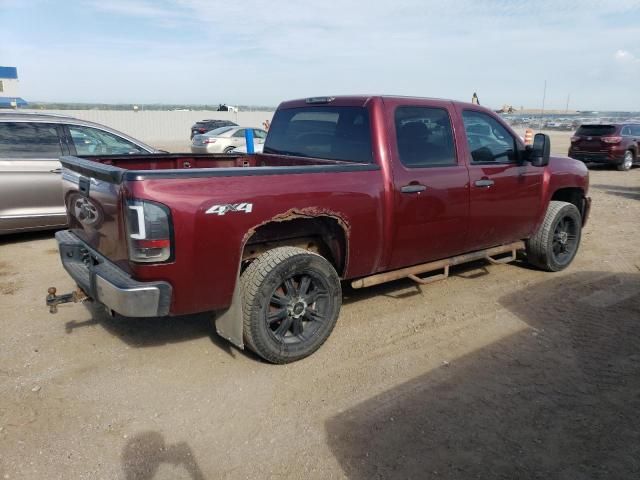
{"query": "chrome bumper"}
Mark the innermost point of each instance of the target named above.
(103, 281)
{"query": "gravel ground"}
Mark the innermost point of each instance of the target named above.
(498, 372)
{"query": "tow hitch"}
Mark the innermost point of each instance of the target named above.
(53, 300)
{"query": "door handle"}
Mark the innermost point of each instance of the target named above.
(56, 170)
(413, 188)
(484, 183)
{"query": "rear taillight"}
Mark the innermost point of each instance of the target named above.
(611, 139)
(575, 139)
(148, 231)
(202, 130)
(209, 140)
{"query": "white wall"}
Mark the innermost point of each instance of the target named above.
(10, 87)
(161, 127)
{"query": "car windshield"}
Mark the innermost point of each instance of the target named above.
(335, 133)
(219, 131)
(596, 130)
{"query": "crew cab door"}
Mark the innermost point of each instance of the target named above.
(431, 183)
(505, 191)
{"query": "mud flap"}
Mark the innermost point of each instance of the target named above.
(229, 322)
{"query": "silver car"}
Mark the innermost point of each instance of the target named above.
(30, 173)
(243, 149)
(225, 139)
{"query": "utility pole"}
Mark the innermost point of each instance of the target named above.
(544, 97)
(566, 110)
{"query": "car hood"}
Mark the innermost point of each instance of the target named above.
(567, 169)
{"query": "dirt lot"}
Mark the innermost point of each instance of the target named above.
(498, 372)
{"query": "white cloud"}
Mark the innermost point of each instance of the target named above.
(259, 51)
(624, 56)
(135, 8)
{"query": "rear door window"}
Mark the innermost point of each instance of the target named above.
(335, 133)
(29, 140)
(424, 137)
(91, 141)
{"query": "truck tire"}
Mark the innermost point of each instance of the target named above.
(291, 299)
(555, 244)
(627, 161)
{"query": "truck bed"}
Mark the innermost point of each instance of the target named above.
(116, 168)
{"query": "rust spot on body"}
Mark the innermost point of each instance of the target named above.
(295, 213)
(305, 213)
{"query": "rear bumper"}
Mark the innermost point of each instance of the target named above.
(612, 156)
(204, 149)
(103, 281)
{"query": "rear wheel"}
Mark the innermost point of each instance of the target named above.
(555, 244)
(291, 302)
(627, 161)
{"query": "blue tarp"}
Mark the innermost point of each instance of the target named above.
(6, 102)
(8, 72)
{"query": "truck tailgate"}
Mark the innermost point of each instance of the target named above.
(94, 208)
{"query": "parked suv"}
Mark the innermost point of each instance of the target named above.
(30, 146)
(615, 144)
(204, 126)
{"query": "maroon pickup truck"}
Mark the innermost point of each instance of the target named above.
(361, 188)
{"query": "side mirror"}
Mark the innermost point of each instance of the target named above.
(541, 150)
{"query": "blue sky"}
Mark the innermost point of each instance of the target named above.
(262, 52)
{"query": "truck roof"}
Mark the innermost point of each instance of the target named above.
(358, 100)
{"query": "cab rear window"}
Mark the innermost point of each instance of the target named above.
(334, 133)
(596, 130)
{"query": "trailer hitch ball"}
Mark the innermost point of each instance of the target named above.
(51, 296)
(54, 300)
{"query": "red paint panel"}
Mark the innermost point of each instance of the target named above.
(385, 228)
(208, 247)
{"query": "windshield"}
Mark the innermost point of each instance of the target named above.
(596, 130)
(335, 133)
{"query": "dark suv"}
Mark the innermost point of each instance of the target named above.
(615, 144)
(204, 126)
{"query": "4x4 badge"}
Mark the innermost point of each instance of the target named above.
(231, 207)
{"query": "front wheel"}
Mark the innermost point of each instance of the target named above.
(555, 244)
(627, 161)
(228, 150)
(291, 302)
